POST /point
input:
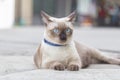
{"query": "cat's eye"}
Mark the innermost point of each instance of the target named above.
(56, 31)
(68, 30)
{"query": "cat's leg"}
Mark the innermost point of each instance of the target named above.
(83, 54)
(101, 57)
(53, 65)
(38, 58)
(74, 65)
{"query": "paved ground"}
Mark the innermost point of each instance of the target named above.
(18, 45)
(26, 40)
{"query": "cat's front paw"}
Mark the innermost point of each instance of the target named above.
(73, 67)
(58, 66)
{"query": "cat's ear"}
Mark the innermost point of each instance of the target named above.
(72, 17)
(45, 17)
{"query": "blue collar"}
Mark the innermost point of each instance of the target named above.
(52, 44)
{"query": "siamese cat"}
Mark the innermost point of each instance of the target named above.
(59, 51)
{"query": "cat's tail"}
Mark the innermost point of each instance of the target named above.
(111, 53)
(106, 57)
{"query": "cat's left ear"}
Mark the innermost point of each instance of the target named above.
(72, 17)
(46, 17)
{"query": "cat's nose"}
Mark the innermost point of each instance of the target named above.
(63, 37)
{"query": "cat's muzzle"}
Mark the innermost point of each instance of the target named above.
(63, 37)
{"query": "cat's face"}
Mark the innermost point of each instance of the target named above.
(58, 30)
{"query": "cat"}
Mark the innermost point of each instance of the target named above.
(59, 51)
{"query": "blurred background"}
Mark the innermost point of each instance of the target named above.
(21, 28)
(97, 13)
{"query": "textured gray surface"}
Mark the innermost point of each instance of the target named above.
(85, 74)
(24, 41)
(16, 64)
(17, 47)
(13, 64)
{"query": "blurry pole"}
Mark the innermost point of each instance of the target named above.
(26, 12)
(87, 12)
(17, 11)
(7, 8)
(60, 11)
(82, 7)
(68, 7)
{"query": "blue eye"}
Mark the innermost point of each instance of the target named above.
(55, 30)
(68, 30)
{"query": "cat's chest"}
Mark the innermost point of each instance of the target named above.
(59, 53)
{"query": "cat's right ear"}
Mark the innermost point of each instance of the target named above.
(45, 17)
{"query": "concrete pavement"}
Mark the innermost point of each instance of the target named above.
(18, 45)
(26, 40)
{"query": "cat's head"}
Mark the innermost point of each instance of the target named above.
(58, 30)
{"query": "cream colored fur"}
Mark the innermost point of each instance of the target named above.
(73, 56)
(59, 54)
